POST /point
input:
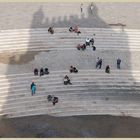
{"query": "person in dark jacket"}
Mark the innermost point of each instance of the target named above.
(118, 63)
(46, 71)
(67, 80)
(41, 72)
(55, 100)
(73, 69)
(51, 30)
(107, 70)
(35, 71)
(100, 63)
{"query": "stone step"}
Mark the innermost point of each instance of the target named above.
(64, 44)
(109, 99)
(7, 39)
(76, 92)
(63, 88)
(94, 72)
(55, 110)
(111, 30)
(99, 92)
(36, 49)
(82, 76)
(74, 80)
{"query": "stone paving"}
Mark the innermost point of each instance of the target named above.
(14, 15)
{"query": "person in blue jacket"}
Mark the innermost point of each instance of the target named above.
(33, 88)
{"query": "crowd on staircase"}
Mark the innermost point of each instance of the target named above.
(88, 42)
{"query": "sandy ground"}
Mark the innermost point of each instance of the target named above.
(19, 58)
(79, 126)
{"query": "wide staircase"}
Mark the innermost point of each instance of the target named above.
(93, 92)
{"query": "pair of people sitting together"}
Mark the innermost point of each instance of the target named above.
(51, 30)
(67, 80)
(89, 41)
(73, 69)
(42, 71)
(75, 29)
(81, 47)
(53, 99)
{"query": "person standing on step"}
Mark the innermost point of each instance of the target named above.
(118, 63)
(33, 88)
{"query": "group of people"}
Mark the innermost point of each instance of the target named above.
(52, 99)
(107, 69)
(73, 69)
(42, 71)
(88, 42)
(51, 30)
(75, 30)
(66, 78)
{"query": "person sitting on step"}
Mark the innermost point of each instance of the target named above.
(92, 41)
(71, 29)
(94, 48)
(75, 70)
(41, 72)
(46, 71)
(76, 30)
(83, 47)
(49, 97)
(35, 71)
(55, 100)
(87, 41)
(107, 70)
(51, 30)
(67, 80)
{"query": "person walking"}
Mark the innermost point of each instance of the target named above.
(91, 8)
(33, 88)
(81, 7)
(118, 63)
(100, 63)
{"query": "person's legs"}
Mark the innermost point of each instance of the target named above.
(53, 103)
(97, 64)
(33, 92)
(118, 66)
(69, 82)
